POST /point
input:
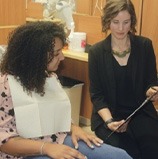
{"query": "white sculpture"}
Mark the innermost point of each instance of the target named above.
(61, 9)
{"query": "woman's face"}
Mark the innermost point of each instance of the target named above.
(58, 56)
(121, 25)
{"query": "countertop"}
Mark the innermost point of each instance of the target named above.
(82, 56)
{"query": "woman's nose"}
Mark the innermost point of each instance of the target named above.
(120, 26)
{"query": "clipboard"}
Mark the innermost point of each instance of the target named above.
(134, 112)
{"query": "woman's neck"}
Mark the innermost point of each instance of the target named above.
(120, 44)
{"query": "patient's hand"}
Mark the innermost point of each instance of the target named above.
(79, 134)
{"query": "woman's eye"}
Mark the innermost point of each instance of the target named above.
(56, 54)
(115, 22)
(126, 22)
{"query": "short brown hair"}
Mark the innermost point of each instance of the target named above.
(111, 10)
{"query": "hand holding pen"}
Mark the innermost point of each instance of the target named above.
(152, 95)
(152, 91)
(115, 124)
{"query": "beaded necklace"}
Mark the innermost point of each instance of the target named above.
(121, 54)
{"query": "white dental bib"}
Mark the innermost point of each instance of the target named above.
(40, 115)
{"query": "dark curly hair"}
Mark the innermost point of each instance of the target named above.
(111, 10)
(26, 57)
